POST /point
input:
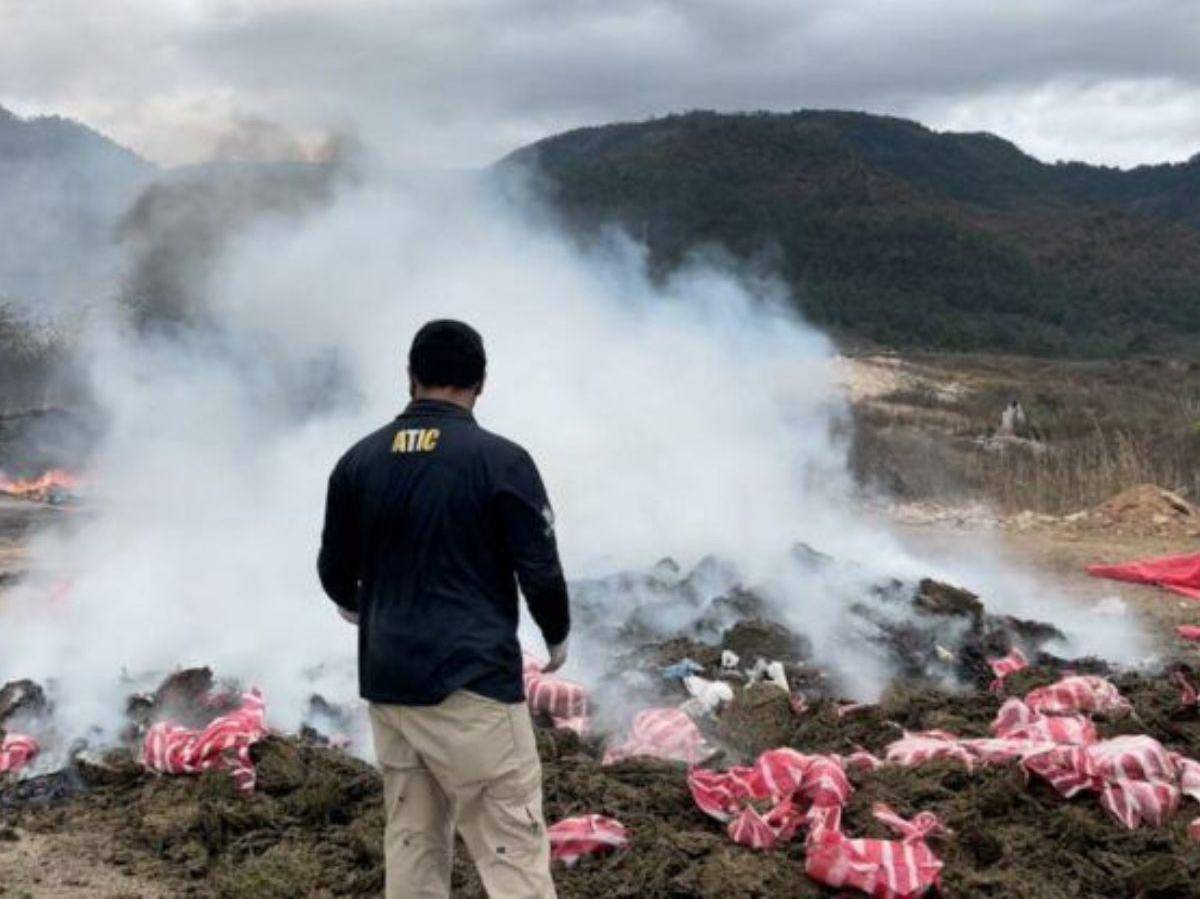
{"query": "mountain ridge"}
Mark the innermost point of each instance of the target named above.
(885, 229)
(63, 186)
(24, 135)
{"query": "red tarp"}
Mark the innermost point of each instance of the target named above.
(1179, 574)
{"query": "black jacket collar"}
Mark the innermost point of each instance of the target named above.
(436, 409)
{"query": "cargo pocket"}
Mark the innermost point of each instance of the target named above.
(511, 804)
(512, 828)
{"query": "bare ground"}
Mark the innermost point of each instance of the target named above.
(69, 863)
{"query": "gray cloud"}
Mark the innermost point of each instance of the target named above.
(459, 82)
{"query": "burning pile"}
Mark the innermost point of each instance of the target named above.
(742, 768)
(55, 487)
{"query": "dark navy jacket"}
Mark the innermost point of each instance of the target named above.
(429, 524)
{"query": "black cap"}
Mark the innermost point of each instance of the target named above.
(447, 353)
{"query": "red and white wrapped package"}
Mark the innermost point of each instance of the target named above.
(1138, 780)
(664, 733)
(777, 775)
(16, 751)
(811, 790)
(573, 838)
(578, 724)
(750, 829)
(883, 869)
(720, 794)
(224, 745)
(1189, 776)
(825, 782)
(1016, 720)
(1019, 729)
(1078, 693)
(861, 760)
(789, 781)
(565, 701)
(927, 746)
(1002, 750)
(1004, 666)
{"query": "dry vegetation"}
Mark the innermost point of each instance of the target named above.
(1101, 427)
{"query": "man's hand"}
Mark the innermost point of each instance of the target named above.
(558, 657)
(352, 617)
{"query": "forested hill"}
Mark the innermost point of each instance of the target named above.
(885, 229)
(62, 188)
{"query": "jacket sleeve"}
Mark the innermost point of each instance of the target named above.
(528, 525)
(338, 560)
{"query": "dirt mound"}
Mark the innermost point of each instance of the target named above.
(314, 826)
(759, 638)
(760, 715)
(1011, 839)
(21, 700)
(1144, 510)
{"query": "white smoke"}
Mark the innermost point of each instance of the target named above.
(681, 419)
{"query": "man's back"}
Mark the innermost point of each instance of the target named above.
(429, 521)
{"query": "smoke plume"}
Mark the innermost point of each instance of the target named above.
(690, 417)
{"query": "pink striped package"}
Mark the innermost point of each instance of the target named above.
(1002, 667)
(883, 869)
(565, 701)
(664, 733)
(573, 838)
(16, 751)
(224, 745)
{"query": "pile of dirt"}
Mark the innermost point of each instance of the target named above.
(939, 632)
(1146, 510)
(21, 700)
(313, 828)
(314, 825)
(923, 630)
(1012, 839)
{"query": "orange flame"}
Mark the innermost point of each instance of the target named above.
(54, 480)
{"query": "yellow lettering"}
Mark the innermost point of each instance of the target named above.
(413, 440)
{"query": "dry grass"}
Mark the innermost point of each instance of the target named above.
(1103, 427)
(1084, 472)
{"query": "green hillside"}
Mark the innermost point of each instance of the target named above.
(884, 229)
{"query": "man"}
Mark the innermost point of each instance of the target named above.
(429, 523)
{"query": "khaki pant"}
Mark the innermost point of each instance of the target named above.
(471, 763)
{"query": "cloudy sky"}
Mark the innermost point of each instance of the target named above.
(449, 83)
